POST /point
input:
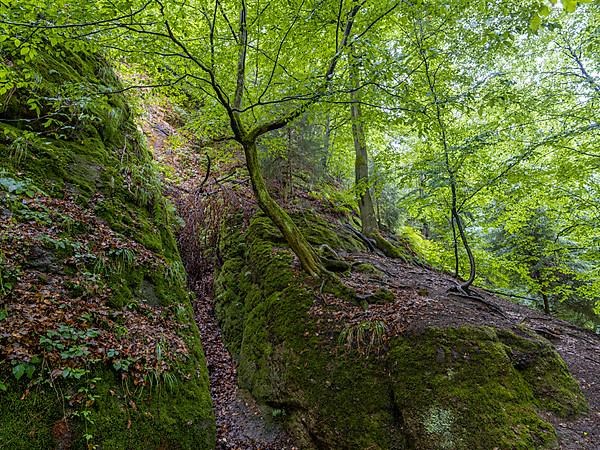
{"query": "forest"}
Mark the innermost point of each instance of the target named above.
(299, 224)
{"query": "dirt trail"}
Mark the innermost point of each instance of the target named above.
(424, 292)
(241, 425)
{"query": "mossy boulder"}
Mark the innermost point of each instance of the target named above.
(454, 388)
(319, 231)
(90, 273)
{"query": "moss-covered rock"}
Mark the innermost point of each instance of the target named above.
(457, 388)
(320, 232)
(90, 273)
(367, 268)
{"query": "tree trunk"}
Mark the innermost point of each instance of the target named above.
(361, 162)
(308, 257)
(326, 147)
(455, 245)
(461, 230)
(424, 224)
(546, 303)
(290, 158)
(296, 240)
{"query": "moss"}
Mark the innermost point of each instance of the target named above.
(167, 416)
(95, 156)
(380, 296)
(232, 285)
(554, 388)
(390, 249)
(281, 352)
(155, 286)
(367, 268)
(318, 232)
(331, 284)
(335, 265)
(27, 423)
(465, 374)
(445, 388)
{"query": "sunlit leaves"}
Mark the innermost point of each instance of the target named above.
(545, 10)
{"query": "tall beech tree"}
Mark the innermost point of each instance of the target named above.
(362, 185)
(361, 164)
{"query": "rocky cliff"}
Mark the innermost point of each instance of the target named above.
(98, 346)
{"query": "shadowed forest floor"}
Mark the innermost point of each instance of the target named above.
(241, 425)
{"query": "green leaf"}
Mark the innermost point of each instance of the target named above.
(18, 371)
(570, 5)
(29, 370)
(535, 23)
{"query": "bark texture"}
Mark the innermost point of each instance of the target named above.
(361, 162)
(308, 257)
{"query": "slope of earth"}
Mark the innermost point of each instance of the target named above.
(98, 345)
(397, 360)
(578, 347)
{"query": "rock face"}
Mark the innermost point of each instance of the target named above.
(353, 385)
(98, 345)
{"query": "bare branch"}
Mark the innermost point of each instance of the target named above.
(241, 67)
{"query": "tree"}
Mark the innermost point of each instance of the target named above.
(361, 165)
(270, 88)
(275, 61)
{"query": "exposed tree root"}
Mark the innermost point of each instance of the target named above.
(458, 291)
(368, 242)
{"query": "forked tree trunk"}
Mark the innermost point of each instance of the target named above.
(461, 231)
(308, 257)
(455, 247)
